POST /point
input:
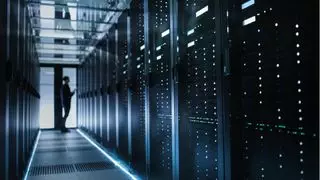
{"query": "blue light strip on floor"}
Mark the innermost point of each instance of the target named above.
(115, 162)
(32, 155)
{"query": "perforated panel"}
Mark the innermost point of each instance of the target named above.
(160, 90)
(55, 169)
(137, 85)
(122, 85)
(198, 94)
(105, 126)
(112, 87)
(95, 166)
(19, 96)
(278, 72)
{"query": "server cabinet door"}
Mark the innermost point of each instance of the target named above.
(274, 56)
(160, 89)
(122, 85)
(137, 86)
(112, 88)
(198, 91)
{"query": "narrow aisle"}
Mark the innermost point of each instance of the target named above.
(70, 156)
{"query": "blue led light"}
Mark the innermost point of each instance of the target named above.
(247, 4)
(32, 155)
(125, 170)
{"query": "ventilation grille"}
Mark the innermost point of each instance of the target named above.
(51, 139)
(47, 170)
(65, 149)
(95, 166)
(52, 144)
(63, 143)
(61, 140)
(51, 150)
(70, 168)
(85, 148)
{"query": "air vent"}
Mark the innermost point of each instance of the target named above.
(95, 166)
(51, 139)
(51, 150)
(56, 169)
(89, 148)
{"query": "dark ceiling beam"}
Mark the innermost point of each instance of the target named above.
(77, 6)
(53, 38)
(47, 43)
(72, 30)
(83, 21)
(61, 50)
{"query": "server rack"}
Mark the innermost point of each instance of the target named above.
(20, 83)
(160, 89)
(199, 65)
(201, 89)
(137, 87)
(105, 128)
(112, 103)
(122, 85)
(277, 65)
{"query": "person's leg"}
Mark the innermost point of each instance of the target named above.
(64, 119)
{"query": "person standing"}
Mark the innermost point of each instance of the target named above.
(66, 95)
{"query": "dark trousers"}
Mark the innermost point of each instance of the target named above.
(66, 114)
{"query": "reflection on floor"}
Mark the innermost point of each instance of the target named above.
(70, 156)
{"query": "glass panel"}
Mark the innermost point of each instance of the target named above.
(72, 119)
(53, 51)
(46, 11)
(60, 33)
(58, 59)
(59, 46)
(47, 98)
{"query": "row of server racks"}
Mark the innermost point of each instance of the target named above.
(207, 89)
(19, 94)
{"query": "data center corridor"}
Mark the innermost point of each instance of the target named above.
(71, 156)
(159, 89)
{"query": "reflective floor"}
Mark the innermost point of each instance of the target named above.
(70, 156)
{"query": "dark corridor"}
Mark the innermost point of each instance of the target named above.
(166, 89)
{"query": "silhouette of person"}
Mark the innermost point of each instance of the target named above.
(65, 95)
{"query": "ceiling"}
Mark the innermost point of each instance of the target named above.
(66, 31)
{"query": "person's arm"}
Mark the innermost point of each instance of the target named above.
(72, 93)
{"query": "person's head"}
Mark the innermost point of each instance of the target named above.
(66, 80)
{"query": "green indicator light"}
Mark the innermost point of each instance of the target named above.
(294, 132)
(303, 134)
(300, 128)
(261, 129)
(282, 126)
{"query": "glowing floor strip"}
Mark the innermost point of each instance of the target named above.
(125, 170)
(32, 155)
